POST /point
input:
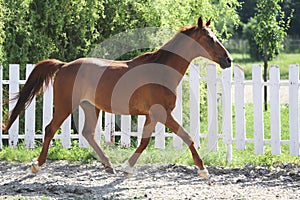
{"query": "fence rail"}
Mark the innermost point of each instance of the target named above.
(232, 92)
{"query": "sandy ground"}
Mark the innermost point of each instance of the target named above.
(72, 180)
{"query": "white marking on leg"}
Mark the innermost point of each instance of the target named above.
(127, 169)
(35, 166)
(203, 173)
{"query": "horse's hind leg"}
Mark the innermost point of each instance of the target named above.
(60, 114)
(149, 126)
(174, 126)
(91, 118)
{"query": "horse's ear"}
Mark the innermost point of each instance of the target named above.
(200, 22)
(208, 22)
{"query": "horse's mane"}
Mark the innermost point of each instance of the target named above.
(187, 29)
(153, 55)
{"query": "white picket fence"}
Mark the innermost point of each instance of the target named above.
(232, 86)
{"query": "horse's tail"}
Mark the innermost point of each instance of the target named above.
(42, 73)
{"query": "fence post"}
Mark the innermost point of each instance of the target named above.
(177, 142)
(257, 109)
(66, 133)
(212, 107)
(160, 136)
(141, 123)
(1, 105)
(109, 130)
(195, 104)
(47, 106)
(29, 117)
(227, 111)
(294, 109)
(99, 129)
(275, 109)
(14, 75)
(240, 125)
(125, 130)
(82, 142)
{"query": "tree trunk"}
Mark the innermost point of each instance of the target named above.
(265, 75)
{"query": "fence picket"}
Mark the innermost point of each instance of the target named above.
(177, 142)
(227, 111)
(258, 110)
(195, 104)
(125, 130)
(14, 76)
(141, 122)
(160, 136)
(275, 109)
(99, 130)
(66, 133)
(82, 142)
(212, 135)
(240, 125)
(109, 130)
(47, 106)
(29, 117)
(294, 109)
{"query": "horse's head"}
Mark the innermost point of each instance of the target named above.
(211, 47)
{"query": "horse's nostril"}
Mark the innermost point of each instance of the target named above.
(226, 62)
(229, 60)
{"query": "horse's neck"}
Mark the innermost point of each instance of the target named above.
(175, 61)
(175, 55)
(179, 52)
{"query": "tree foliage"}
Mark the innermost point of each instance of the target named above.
(37, 30)
(174, 14)
(248, 10)
(249, 30)
(271, 29)
(268, 29)
(68, 29)
(2, 34)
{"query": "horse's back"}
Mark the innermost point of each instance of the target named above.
(89, 79)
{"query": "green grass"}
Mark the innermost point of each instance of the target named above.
(170, 155)
(283, 61)
(154, 156)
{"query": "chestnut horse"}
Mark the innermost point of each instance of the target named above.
(145, 85)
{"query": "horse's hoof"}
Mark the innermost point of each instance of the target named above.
(127, 169)
(35, 167)
(110, 170)
(203, 173)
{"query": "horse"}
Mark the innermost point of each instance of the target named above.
(145, 85)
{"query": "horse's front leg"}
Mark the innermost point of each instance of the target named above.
(174, 126)
(149, 126)
(91, 118)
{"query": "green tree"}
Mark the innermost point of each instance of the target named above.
(288, 6)
(65, 29)
(18, 31)
(2, 33)
(36, 30)
(174, 14)
(270, 32)
(249, 31)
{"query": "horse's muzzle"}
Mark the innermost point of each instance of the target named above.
(225, 62)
